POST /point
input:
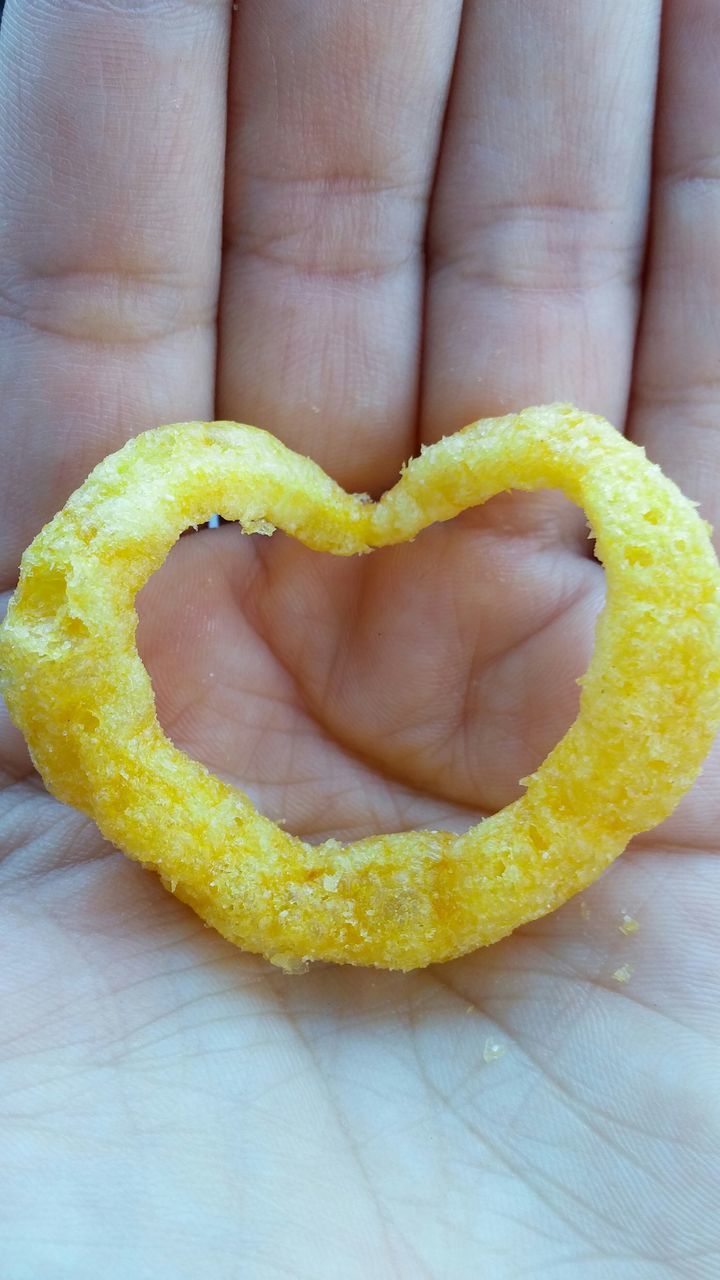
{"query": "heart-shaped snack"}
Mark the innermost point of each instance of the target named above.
(650, 702)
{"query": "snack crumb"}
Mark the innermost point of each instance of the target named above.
(493, 1050)
(623, 974)
(628, 924)
(289, 963)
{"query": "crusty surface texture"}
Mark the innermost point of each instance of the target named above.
(650, 702)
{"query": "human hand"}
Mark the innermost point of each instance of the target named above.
(381, 260)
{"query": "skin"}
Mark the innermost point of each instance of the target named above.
(424, 217)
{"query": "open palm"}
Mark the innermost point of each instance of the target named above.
(360, 226)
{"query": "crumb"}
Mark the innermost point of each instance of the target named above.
(628, 924)
(493, 1050)
(623, 974)
(290, 964)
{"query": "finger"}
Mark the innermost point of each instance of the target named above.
(676, 397)
(335, 114)
(537, 230)
(112, 123)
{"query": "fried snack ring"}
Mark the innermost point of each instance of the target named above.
(650, 701)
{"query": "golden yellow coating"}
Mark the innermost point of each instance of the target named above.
(650, 702)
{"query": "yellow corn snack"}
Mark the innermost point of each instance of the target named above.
(650, 705)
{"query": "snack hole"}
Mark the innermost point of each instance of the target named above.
(535, 838)
(75, 629)
(43, 592)
(639, 556)
(86, 719)
(198, 707)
